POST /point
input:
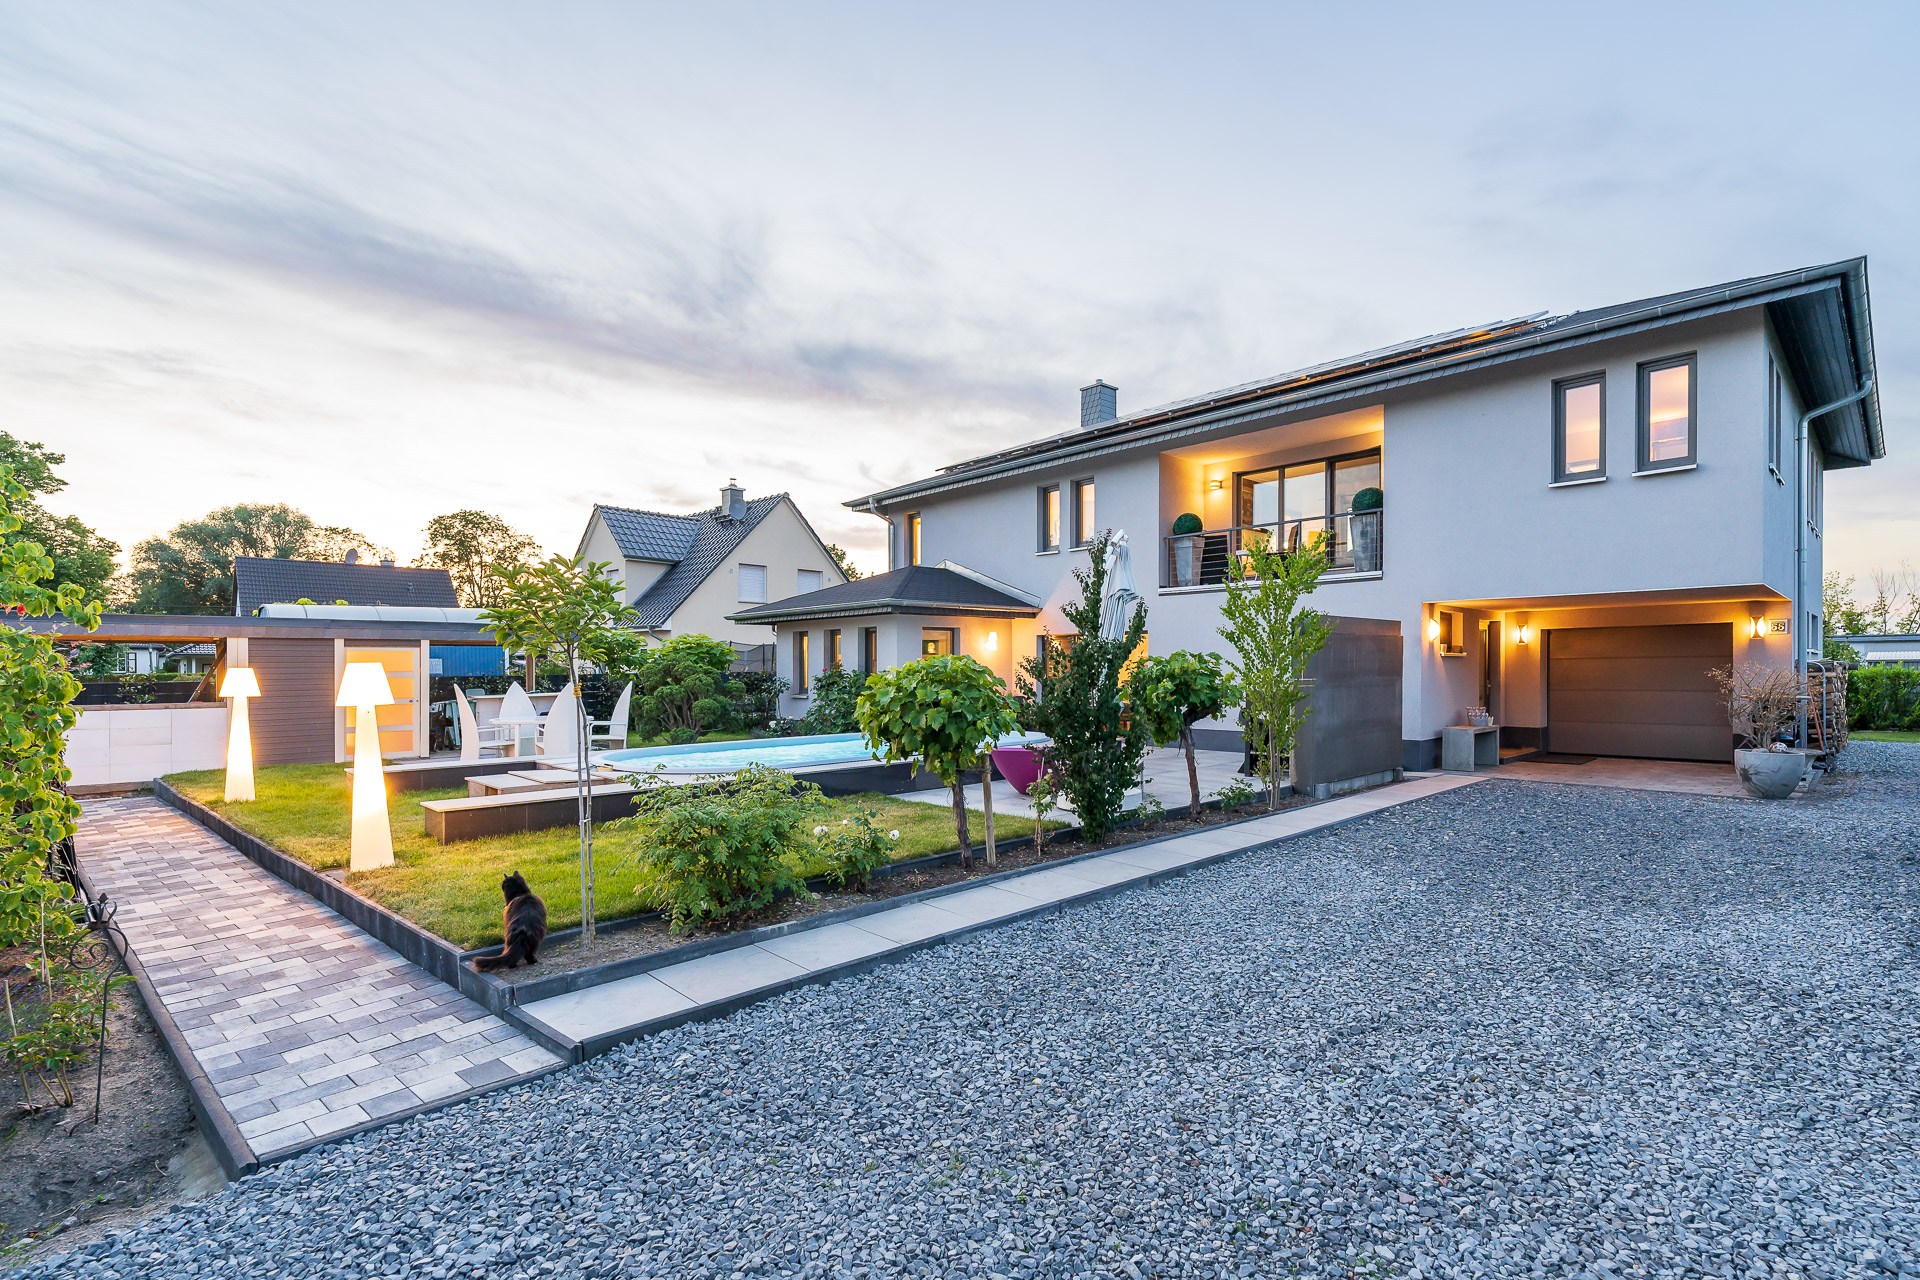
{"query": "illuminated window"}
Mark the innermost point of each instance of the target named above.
(1667, 410)
(1049, 522)
(913, 537)
(802, 667)
(833, 649)
(1083, 520)
(1579, 428)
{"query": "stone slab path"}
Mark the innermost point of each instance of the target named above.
(307, 1027)
(629, 1006)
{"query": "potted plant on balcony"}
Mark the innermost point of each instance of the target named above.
(1762, 705)
(1184, 548)
(1365, 530)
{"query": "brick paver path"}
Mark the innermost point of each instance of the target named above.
(307, 1026)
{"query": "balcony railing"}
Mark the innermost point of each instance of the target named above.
(1202, 559)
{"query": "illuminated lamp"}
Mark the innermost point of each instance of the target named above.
(1433, 628)
(1757, 627)
(239, 684)
(992, 643)
(364, 687)
(1216, 486)
(1526, 632)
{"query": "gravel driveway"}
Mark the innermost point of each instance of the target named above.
(1516, 1029)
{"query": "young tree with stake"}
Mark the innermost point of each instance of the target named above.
(1274, 635)
(1171, 694)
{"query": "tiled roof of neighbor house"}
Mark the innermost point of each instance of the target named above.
(1820, 313)
(650, 535)
(915, 589)
(712, 539)
(258, 581)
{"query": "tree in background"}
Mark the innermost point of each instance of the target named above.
(99, 661)
(1169, 695)
(1274, 636)
(945, 712)
(1839, 614)
(683, 689)
(78, 554)
(469, 545)
(569, 610)
(1073, 695)
(190, 570)
(840, 558)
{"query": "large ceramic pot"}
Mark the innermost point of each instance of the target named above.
(1770, 775)
(1018, 765)
(1186, 559)
(1366, 541)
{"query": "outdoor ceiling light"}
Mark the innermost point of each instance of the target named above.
(239, 684)
(363, 687)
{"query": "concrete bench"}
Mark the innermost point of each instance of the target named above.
(535, 809)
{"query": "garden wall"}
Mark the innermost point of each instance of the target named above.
(121, 746)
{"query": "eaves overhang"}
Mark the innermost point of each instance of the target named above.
(871, 608)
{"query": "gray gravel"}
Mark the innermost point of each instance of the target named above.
(1511, 1030)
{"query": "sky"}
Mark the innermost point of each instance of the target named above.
(387, 261)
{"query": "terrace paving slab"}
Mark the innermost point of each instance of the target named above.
(294, 1016)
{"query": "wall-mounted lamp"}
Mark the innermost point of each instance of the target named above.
(992, 643)
(1433, 628)
(1757, 627)
(1215, 486)
(239, 684)
(1526, 632)
(363, 687)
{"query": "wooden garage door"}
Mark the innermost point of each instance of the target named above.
(1639, 691)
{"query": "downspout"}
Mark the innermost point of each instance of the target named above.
(1804, 461)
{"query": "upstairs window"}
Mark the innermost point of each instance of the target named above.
(1579, 429)
(1083, 518)
(911, 535)
(807, 580)
(1667, 412)
(1049, 519)
(1776, 425)
(753, 583)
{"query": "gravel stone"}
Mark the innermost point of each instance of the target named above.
(1511, 1030)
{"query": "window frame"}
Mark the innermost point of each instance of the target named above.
(1043, 544)
(1646, 370)
(1077, 488)
(1816, 498)
(1776, 404)
(740, 580)
(832, 647)
(869, 649)
(1595, 378)
(799, 579)
(1328, 461)
(802, 661)
(910, 532)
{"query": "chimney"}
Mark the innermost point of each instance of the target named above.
(352, 556)
(1098, 403)
(386, 562)
(733, 501)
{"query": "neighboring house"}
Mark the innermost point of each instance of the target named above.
(1582, 514)
(1888, 650)
(259, 581)
(685, 574)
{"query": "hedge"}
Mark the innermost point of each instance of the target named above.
(1884, 697)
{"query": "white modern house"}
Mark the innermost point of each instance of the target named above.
(684, 574)
(1580, 515)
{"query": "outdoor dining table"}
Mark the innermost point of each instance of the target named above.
(526, 733)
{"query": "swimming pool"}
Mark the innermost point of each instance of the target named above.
(776, 753)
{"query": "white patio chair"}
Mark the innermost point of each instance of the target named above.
(612, 730)
(558, 730)
(516, 706)
(473, 738)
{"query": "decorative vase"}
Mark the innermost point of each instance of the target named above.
(1186, 559)
(1770, 775)
(1366, 541)
(1018, 765)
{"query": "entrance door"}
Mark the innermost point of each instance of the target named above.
(1639, 691)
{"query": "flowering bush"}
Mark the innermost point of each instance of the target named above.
(854, 848)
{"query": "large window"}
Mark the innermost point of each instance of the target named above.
(807, 580)
(802, 663)
(912, 535)
(753, 583)
(1579, 429)
(1306, 498)
(939, 642)
(1083, 520)
(1667, 405)
(1049, 519)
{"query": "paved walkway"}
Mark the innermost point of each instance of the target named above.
(625, 1007)
(307, 1027)
(1685, 777)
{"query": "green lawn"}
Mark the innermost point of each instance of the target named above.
(1883, 735)
(453, 890)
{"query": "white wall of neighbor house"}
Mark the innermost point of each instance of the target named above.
(1471, 512)
(112, 745)
(784, 545)
(634, 576)
(897, 637)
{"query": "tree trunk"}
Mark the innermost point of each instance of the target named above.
(958, 788)
(584, 794)
(1273, 765)
(986, 802)
(1193, 774)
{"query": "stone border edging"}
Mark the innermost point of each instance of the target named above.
(230, 1148)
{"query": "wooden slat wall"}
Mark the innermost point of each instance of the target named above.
(294, 714)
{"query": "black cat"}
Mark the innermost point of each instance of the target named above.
(524, 923)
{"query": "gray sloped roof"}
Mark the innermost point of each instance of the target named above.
(258, 581)
(650, 535)
(711, 542)
(915, 589)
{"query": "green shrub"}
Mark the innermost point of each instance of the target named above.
(717, 849)
(854, 848)
(1186, 522)
(1368, 499)
(834, 705)
(1884, 697)
(945, 712)
(1237, 793)
(685, 684)
(755, 701)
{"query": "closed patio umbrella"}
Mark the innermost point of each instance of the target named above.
(1120, 594)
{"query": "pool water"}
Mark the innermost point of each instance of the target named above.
(776, 753)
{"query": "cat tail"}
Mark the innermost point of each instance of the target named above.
(519, 949)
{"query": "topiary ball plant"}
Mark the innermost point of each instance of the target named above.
(1368, 499)
(1187, 522)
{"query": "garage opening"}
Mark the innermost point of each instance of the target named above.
(1639, 691)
